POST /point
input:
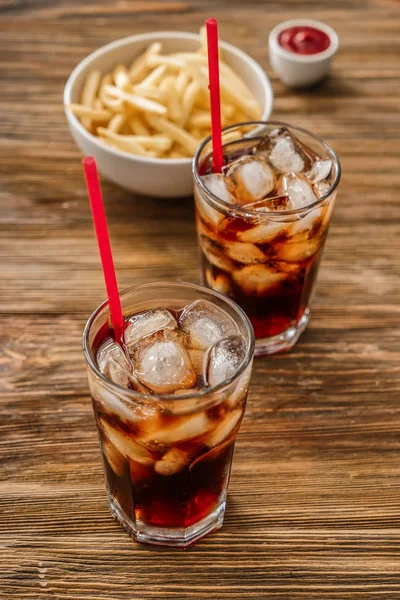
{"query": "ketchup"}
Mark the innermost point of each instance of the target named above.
(304, 40)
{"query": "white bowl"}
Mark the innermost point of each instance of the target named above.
(300, 70)
(164, 178)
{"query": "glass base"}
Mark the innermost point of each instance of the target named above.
(284, 341)
(168, 536)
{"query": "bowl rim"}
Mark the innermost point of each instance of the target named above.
(304, 58)
(154, 35)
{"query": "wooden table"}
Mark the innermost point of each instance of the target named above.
(314, 503)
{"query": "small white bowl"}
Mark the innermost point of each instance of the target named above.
(164, 178)
(300, 70)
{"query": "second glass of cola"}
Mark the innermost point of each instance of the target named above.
(262, 224)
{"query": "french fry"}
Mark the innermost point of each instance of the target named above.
(140, 65)
(120, 76)
(178, 134)
(156, 60)
(138, 127)
(227, 73)
(97, 104)
(154, 78)
(94, 114)
(144, 104)
(227, 110)
(120, 145)
(229, 93)
(231, 136)
(153, 142)
(116, 123)
(188, 100)
(123, 142)
(191, 57)
(181, 83)
(174, 104)
(90, 88)
(150, 92)
(203, 40)
(116, 105)
(165, 84)
(202, 120)
(106, 80)
(203, 101)
(196, 133)
(89, 94)
(239, 116)
(195, 72)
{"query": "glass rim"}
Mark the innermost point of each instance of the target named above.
(135, 395)
(276, 214)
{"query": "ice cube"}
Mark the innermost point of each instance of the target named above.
(249, 179)
(113, 363)
(161, 362)
(205, 323)
(216, 184)
(264, 233)
(296, 251)
(244, 252)
(321, 188)
(320, 170)
(126, 444)
(272, 204)
(308, 224)
(215, 254)
(299, 191)
(180, 430)
(224, 429)
(239, 393)
(220, 283)
(258, 279)
(114, 458)
(283, 151)
(111, 403)
(147, 322)
(224, 359)
(172, 462)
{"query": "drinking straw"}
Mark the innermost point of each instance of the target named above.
(103, 241)
(215, 96)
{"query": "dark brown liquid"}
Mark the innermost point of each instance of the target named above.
(177, 500)
(273, 311)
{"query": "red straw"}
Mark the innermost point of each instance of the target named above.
(215, 97)
(103, 241)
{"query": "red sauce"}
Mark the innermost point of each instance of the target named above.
(304, 40)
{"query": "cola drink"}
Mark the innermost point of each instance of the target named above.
(262, 224)
(168, 404)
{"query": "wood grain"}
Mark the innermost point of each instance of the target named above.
(314, 505)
